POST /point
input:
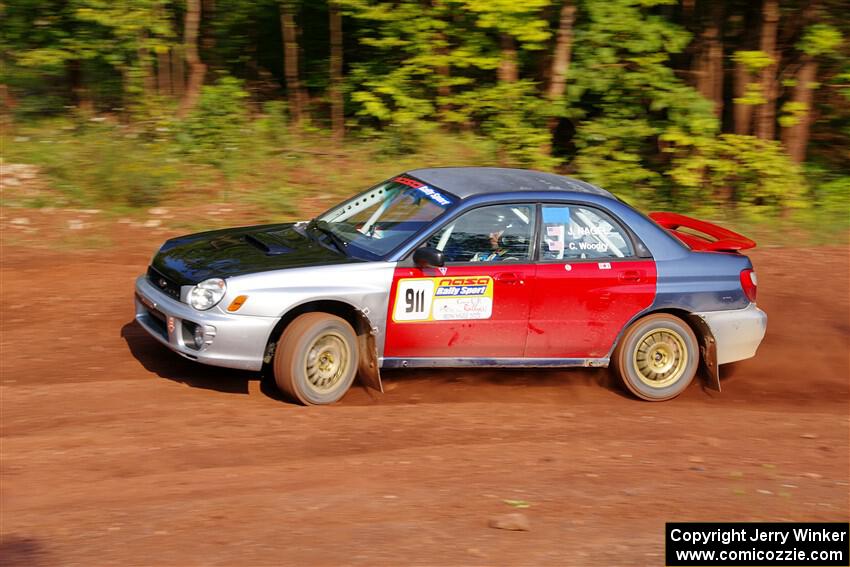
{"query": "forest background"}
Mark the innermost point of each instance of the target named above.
(734, 110)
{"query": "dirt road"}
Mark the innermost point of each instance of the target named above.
(118, 452)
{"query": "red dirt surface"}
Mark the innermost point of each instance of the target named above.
(117, 452)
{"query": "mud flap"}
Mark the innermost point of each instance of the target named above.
(709, 368)
(368, 372)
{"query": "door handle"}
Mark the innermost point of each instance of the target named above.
(632, 276)
(511, 278)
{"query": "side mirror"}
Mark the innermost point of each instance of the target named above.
(428, 257)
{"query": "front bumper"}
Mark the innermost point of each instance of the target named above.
(232, 341)
(737, 332)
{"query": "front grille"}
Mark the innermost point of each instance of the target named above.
(158, 321)
(164, 283)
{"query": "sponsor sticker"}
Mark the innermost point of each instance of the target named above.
(443, 299)
(435, 196)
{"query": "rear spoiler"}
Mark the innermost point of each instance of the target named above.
(712, 238)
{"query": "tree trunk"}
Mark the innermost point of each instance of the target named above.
(443, 50)
(207, 39)
(163, 73)
(766, 113)
(337, 102)
(178, 71)
(6, 98)
(294, 91)
(708, 65)
(72, 77)
(146, 65)
(197, 69)
(743, 112)
(796, 137)
(444, 89)
(560, 65)
(79, 92)
(563, 52)
(508, 72)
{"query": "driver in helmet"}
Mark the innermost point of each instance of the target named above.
(501, 241)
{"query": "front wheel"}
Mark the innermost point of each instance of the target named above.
(657, 357)
(316, 358)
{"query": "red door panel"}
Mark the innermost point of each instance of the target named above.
(459, 311)
(577, 309)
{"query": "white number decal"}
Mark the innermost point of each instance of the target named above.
(413, 300)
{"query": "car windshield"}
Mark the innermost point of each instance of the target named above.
(380, 219)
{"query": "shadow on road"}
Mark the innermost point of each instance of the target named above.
(463, 385)
(166, 364)
(19, 551)
(402, 386)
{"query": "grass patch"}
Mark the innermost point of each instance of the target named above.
(280, 175)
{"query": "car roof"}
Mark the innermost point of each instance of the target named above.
(471, 181)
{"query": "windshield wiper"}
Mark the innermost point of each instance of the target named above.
(324, 228)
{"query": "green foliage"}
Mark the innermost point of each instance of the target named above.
(422, 80)
(610, 155)
(107, 165)
(754, 61)
(386, 104)
(438, 61)
(637, 106)
(393, 91)
(830, 198)
(820, 39)
(792, 112)
(754, 175)
(514, 117)
(753, 95)
(89, 35)
(834, 195)
(519, 19)
(273, 123)
(214, 133)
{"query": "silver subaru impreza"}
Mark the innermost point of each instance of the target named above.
(460, 267)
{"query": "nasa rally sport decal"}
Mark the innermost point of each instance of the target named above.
(443, 299)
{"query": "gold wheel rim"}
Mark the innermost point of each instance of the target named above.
(660, 358)
(327, 361)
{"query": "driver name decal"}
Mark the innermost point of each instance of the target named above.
(443, 299)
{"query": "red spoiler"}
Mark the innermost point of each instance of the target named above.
(713, 238)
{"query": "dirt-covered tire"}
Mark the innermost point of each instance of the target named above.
(316, 359)
(657, 357)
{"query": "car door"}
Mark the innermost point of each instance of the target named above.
(589, 283)
(477, 304)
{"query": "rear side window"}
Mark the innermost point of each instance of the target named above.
(574, 233)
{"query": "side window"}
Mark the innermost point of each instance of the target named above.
(572, 232)
(497, 233)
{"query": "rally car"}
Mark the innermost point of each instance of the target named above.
(460, 267)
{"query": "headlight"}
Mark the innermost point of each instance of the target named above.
(207, 294)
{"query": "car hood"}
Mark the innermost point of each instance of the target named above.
(237, 251)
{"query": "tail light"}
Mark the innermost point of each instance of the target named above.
(749, 283)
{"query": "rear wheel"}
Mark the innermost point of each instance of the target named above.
(658, 357)
(316, 358)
